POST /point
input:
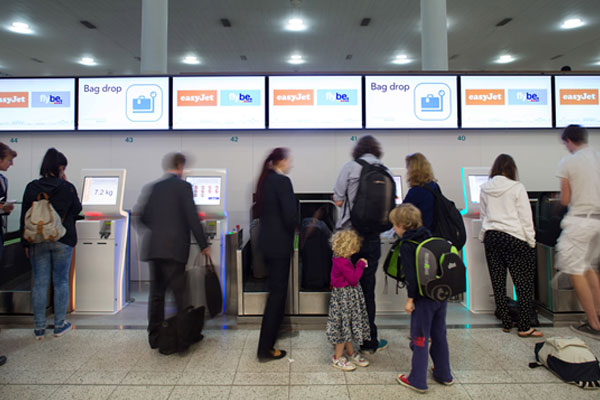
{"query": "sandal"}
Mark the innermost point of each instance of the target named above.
(506, 330)
(531, 333)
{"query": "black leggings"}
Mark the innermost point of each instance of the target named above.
(504, 251)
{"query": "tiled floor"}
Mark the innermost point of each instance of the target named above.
(118, 364)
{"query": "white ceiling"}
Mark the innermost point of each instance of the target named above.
(533, 37)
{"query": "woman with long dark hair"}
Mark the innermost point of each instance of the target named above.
(509, 240)
(277, 208)
(52, 257)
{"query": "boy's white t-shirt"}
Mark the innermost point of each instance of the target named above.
(582, 169)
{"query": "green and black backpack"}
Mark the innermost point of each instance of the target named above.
(440, 270)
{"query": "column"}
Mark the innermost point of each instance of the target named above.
(434, 35)
(155, 16)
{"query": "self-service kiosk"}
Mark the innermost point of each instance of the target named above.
(100, 274)
(390, 300)
(209, 187)
(480, 295)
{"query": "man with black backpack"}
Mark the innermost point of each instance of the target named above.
(366, 192)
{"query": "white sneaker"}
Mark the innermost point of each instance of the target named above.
(358, 360)
(342, 363)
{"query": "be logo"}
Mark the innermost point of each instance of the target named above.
(337, 97)
(50, 99)
(535, 97)
(239, 98)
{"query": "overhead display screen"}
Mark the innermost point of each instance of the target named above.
(315, 102)
(100, 190)
(506, 101)
(37, 104)
(123, 103)
(219, 102)
(206, 189)
(576, 99)
(411, 101)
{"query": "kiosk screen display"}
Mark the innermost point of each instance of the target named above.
(37, 104)
(506, 101)
(576, 99)
(315, 102)
(411, 102)
(219, 102)
(123, 103)
(475, 182)
(100, 190)
(207, 189)
(399, 196)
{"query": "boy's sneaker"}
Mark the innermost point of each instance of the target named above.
(58, 332)
(403, 380)
(358, 360)
(441, 382)
(383, 344)
(38, 334)
(342, 363)
(586, 330)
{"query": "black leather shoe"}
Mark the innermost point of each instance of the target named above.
(271, 356)
(2, 360)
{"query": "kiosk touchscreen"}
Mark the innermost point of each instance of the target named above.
(100, 276)
(480, 295)
(209, 187)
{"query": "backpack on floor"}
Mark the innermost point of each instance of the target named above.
(441, 272)
(375, 198)
(42, 222)
(448, 221)
(570, 359)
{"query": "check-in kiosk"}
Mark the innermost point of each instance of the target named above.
(209, 186)
(388, 299)
(480, 295)
(100, 275)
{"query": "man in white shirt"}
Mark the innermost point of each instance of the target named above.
(578, 247)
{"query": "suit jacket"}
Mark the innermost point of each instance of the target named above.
(279, 216)
(170, 214)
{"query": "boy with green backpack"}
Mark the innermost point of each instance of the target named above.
(428, 316)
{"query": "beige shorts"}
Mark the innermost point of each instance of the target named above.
(578, 247)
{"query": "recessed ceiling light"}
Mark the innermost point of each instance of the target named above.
(295, 24)
(191, 60)
(20, 27)
(401, 59)
(296, 59)
(572, 23)
(505, 59)
(87, 61)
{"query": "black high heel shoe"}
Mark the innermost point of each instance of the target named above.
(272, 355)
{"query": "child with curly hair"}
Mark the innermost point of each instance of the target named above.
(348, 319)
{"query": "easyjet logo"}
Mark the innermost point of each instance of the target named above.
(14, 99)
(579, 96)
(286, 97)
(484, 97)
(196, 98)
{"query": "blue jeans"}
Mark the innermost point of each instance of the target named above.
(49, 257)
(428, 320)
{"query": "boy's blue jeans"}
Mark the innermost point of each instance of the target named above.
(429, 320)
(46, 258)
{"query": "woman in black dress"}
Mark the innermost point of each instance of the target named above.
(277, 208)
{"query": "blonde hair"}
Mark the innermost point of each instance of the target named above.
(407, 216)
(419, 170)
(345, 243)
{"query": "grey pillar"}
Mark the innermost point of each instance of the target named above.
(155, 16)
(434, 35)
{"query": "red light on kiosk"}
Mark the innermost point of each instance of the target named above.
(92, 214)
(201, 214)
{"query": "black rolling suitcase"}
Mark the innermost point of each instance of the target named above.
(170, 340)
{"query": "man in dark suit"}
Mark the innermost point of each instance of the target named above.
(170, 214)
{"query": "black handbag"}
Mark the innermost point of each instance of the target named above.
(212, 286)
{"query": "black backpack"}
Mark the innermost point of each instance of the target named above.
(375, 198)
(441, 272)
(448, 221)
